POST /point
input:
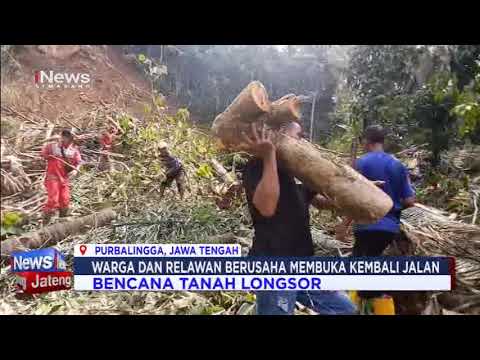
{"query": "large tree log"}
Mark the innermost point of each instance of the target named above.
(52, 234)
(352, 194)
(250, 105)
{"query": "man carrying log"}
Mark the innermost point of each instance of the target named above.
(63, 162)
(280, 212)
(174, 169)
(279, 208)
(392, 177)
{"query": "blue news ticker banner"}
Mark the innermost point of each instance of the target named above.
(411, 265)
(43, 260)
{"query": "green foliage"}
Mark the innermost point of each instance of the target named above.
(183, 115)
(125, 123)
(467, 108)
(11, 219)
(206, 78)
(141, 58)
(416, 92)
(211, 310)
(470, 114)
(177, 222)
(444, 87)
(11, 223)
(149, 134)
(347, 121)
(444, 191)
(234, 160)
(205, 171)
(204, 213)
(188, 144)
(250, 297)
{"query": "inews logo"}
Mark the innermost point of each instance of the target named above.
(58, 80)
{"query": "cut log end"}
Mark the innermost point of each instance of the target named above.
(259, 96)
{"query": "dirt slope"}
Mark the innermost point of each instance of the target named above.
(112, 79)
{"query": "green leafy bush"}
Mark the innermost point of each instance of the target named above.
(11, 223)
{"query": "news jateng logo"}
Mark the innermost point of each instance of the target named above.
(40, 271)
(49, 79)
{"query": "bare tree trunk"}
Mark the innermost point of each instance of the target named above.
(52, 234)
(177, 84)
(353, 151)
(312, 115)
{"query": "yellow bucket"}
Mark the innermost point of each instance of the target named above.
(354, 298)
(384, 306)
(379, 306)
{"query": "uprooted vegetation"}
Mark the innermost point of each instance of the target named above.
(132, 189)
(213, 210)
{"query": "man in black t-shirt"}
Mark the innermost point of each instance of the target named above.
(279, 208)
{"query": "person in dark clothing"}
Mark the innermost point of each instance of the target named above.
(174, 169)
(392, 177)
(279, 208)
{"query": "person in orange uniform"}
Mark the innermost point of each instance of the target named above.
(107, 138)
(106, 143)
(63, 163)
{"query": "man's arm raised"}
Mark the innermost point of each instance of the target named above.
(267, 191)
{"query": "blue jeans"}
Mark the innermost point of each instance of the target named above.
(322, 302)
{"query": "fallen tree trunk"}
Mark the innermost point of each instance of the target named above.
(52, 234)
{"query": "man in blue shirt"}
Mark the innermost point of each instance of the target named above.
(392, 177)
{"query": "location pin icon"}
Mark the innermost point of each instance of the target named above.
(83, 249)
